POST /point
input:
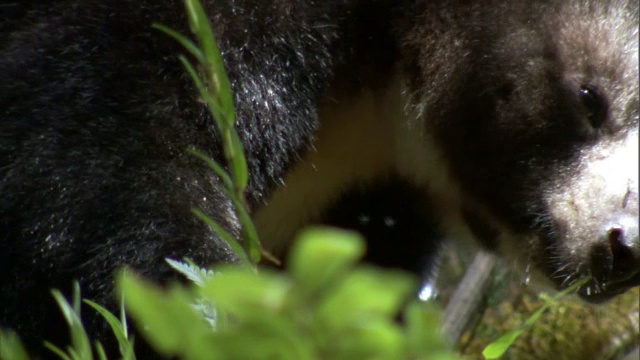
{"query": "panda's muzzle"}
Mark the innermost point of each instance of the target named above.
(614, 262)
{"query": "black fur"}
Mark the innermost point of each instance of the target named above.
(97, 114)
(509, 103)
(398, 221)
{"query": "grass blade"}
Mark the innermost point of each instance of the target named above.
(192, 48)
(228, 238)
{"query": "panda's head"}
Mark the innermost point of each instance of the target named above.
(533, 107)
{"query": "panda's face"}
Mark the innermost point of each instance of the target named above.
(591, 210)
(542, 138)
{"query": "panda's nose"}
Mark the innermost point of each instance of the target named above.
(615, 259)
(624, 247)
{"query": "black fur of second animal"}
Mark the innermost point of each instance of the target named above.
(397, 221)
(97, 114)
(511, 123)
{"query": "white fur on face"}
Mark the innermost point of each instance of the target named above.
(602, 193)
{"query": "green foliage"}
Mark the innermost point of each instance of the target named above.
(500, 346)
(11, 347)
(323, 307)
(215, 90)
(80, 348)
(191, 271)
(118, 327)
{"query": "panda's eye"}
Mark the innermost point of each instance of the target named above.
(595, 106)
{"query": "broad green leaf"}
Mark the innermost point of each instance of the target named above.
(362, 294)
(370, 338)
(497, 348)
(423, 321)
(271, 337)
(169, 321)
(241, 291)
(322, 254)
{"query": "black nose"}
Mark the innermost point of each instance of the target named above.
(614, 262)
(624, 256)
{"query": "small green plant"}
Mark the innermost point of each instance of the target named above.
(500, 346)
(80, 348)
(215, 91)
(323, 307)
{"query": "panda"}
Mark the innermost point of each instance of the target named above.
(97, 114)
(520, 135)
(513, 125)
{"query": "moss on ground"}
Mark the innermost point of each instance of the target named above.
(570, 329)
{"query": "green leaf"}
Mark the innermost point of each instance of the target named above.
(235, 246)
(183, 40)
(252, 244)
(363, 294)
(219, 170)
(241, 291)
(320, 255)
(239, 162)
(270, 337)
(215, 66)
(212, 103)
(56, 350)
(423, 321)
(216, 93)
(497, 348)
(11, 347)
(169, 321)
(372, 338)
(191, 271)
(102, 355)
(79, 339)
(116, 326)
